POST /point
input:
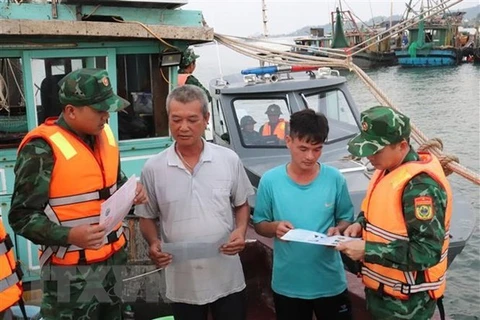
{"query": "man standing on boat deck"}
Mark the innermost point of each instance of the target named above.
(187, 67)
(405, 220)
(275, 125)
(198, 191)
(65, 169)
(309, 195)
(247, 126)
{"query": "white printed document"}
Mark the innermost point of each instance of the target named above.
(312, 237)
(115, 208)
(182, 251)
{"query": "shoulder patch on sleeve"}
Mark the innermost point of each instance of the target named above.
(424, 208)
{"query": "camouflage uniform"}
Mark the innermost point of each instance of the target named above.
(424, 248)
(249, 137)
(194, 81)
(188, 57)
(33, 172)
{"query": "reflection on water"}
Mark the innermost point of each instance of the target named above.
(444, 103)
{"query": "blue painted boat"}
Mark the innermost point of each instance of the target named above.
(433, 43)
(429, 58)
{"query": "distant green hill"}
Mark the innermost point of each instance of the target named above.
(328, 27)
(471, 14)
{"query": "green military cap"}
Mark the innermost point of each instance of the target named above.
(188, 57)
(381, 126)
(273, 109)
(90, 87)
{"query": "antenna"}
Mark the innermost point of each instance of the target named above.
(371, 12)
(218, 60)
(265, 20)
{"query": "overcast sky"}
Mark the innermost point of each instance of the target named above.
(244, 18)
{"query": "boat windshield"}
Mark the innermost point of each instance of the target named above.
(334, 105)
(262, 122)
(265, 122)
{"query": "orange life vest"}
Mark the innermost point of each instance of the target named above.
(182, 78)
(81, 180)
(279, 129)
(10, 273)
(385, 191)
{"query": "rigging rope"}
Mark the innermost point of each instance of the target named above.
(265, 54)
(3, 93)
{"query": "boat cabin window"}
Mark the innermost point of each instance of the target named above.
(145, 117)
(46, 74)
(435, 36)
(429, 36)
(134, 83)
(335, 107)
(262, 122)
(13, 116)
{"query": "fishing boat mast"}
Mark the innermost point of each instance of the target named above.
(265, 20)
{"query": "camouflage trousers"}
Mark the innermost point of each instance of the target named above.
(382, 307)
(86, 292)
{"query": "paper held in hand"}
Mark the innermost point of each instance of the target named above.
(183, 251)
(306, 236)
(115, 208)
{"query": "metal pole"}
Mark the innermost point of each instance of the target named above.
(264, 16)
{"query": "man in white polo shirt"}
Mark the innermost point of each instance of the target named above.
(198, 191)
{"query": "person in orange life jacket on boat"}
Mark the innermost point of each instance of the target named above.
(66, 168)
(185, 73)
(10, 276)
(404, 222)
(275, 126)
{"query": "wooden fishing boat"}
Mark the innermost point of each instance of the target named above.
(433, 42)
(313, 43)
(373, 53)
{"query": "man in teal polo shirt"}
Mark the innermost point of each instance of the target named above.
(308, 195)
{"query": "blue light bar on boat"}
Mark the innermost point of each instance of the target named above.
(276, 69)
(262, 70)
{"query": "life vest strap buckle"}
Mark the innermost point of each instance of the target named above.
(405, 289)
(6, 244)
(82, 259)
(104, 194)
(18, 270)
(112, 237)
(380, 290)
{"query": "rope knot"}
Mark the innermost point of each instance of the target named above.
(431, 144)
(445, 160)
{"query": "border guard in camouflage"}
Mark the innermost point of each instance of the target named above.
(185, 72)
(404, 222)
(65, 169)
